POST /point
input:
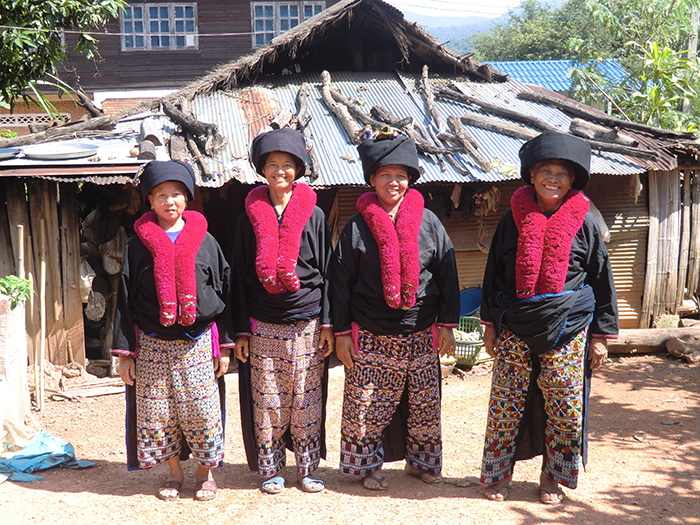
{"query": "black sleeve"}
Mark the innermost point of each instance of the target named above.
(124, 337)
(325, 251)
(599, 276)
(444, 269)
(494, 266)
(224, 321)
(343, 274)
(239, 263)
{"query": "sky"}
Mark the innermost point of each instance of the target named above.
(456, 8)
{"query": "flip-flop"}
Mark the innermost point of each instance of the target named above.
(171, 484)
(503, 491)
(306, 481)
(378, 480)
(425, 477)
(557, 491)
(279, 480)
(209, 485)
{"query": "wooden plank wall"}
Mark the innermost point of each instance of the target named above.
(28, 203)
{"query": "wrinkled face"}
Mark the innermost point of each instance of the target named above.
(280, 170)
(168, 200)
(552, 180)
(391, 183)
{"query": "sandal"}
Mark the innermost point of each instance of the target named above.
(268, 489)
(494, 492)
(425, 477)
(555, 492)
(378, 480)
(307, 481)
(170, 484)
(208, 485)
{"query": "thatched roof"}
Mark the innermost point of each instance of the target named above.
(352, 35)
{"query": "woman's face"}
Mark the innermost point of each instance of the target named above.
(280, 170)
(552, 180)
(168, 200)
(391, 183)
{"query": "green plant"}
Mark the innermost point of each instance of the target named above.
(17, 288)
(7, 134)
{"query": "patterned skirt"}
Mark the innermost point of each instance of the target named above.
(177, 396)
(286, 370)
(383, 368)
(561, 381)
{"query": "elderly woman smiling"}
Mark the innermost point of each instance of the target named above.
(172, 333)
(395, 298)
(549, 305)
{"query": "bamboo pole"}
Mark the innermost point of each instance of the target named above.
(649, 297)
(683, 256)
(42, 311)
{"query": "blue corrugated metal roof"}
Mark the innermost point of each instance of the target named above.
(554, 74)
(237, 112)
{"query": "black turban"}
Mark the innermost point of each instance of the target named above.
(285, 140)
(157, 172)
(389, 151)
(552, 145)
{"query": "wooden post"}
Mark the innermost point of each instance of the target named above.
(648, 299)
(683, 256)
(694, 255)
(20, 251)
(42, 312)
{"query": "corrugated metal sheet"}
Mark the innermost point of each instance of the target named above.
(239, 114)
(554, 74)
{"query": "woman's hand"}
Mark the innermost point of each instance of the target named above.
(326, 342)
(221, 363)
(446, 341)
(598, 352)
(345, 349)
(127, 369)
(242, 349)
(489, 339)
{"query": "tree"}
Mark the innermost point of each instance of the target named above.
(31, 41)
(648, 37)
(536, 31)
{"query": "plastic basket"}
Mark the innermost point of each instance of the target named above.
(467, 352)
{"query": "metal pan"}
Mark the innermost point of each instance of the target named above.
(58, 151)
(8, 153)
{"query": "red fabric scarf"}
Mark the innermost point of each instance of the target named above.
(278, 244)
(174, 265)
(544, 245)
(398, 245)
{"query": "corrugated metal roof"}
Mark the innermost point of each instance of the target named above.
(554, 74)
(239, 113)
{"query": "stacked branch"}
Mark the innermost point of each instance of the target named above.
(302, 122)
(65, 132)
(582, 111)
(467, 143)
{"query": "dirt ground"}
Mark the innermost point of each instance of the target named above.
(644, 465)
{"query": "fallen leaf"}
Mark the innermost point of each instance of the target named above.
(640, 437)
(664, 422)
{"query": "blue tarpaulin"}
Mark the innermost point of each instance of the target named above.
(43, 452)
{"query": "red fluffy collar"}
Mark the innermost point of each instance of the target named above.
(278, 243)
(398, 245)
(544, 245)
(174, 265)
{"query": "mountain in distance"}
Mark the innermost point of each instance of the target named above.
(454, 29)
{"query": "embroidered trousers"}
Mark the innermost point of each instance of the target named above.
(286, 369)
(373, 389)
(177, 394)
(561, 381)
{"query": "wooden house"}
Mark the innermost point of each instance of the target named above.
(360, 62)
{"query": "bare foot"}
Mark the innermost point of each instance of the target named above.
(550, 493)
(499, 491)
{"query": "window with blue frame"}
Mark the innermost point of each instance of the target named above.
(159, 26)
(270, 19)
